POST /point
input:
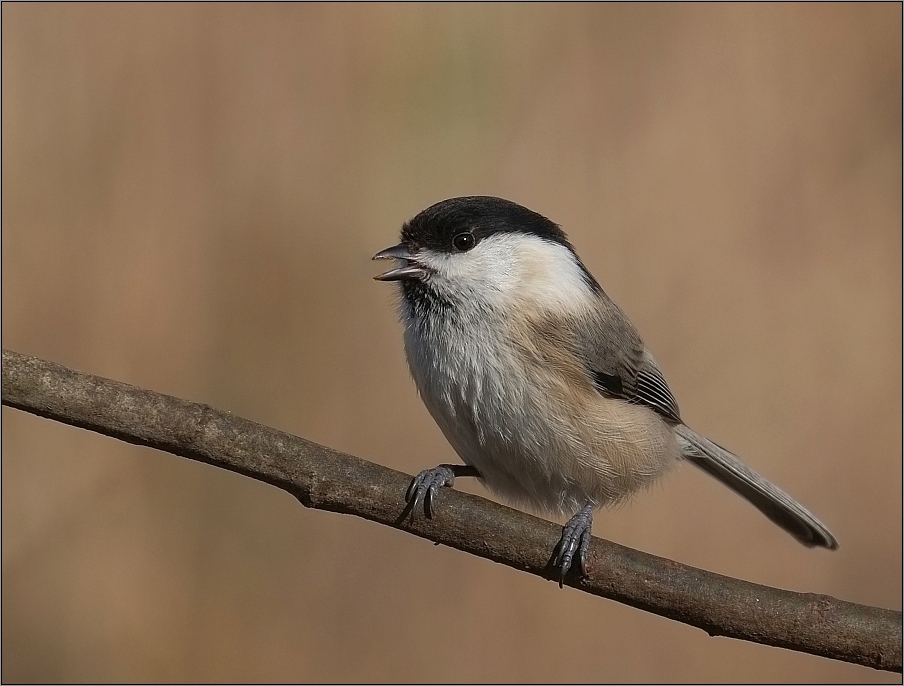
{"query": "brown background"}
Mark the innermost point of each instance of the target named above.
(191, 195)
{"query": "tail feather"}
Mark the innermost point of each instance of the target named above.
(768, 499)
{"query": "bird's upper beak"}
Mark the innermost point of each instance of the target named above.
(410, 268)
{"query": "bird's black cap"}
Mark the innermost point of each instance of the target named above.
(481, 215)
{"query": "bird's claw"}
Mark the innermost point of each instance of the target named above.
(424, 486)
(575, 539)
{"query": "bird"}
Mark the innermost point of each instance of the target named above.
(539, 381)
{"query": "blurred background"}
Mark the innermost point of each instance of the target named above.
(191, 196)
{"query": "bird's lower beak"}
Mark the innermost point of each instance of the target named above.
(410, 268)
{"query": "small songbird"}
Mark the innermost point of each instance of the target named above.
(539, 381)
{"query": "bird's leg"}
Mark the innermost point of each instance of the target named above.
(575, 539)
(424, 486)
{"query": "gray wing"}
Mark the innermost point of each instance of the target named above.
(620, 365)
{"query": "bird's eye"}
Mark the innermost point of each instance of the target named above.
(464, 241)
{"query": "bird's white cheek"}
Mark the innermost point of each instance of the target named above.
(514, 272)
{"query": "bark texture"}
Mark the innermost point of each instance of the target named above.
(327, 479)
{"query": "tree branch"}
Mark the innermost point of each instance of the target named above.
(327, 479)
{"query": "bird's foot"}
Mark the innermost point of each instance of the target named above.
(424, 486)
(575, 539)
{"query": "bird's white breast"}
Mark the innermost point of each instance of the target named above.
(516, 408)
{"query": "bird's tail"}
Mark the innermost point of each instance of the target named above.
(768, 499)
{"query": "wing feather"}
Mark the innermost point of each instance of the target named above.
(620, 365)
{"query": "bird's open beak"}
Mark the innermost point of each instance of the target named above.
(410, 268)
